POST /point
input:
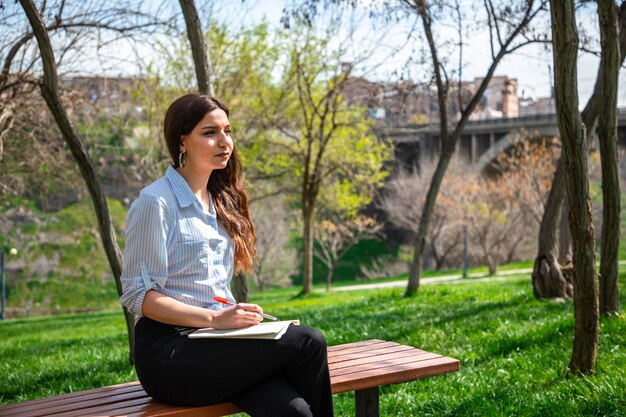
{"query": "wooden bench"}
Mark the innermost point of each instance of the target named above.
(360, 366)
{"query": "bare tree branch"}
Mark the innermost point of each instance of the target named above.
(201, 60)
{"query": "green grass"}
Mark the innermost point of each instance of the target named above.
(513, 349)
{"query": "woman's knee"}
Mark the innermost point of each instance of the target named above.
(314, 340)
(309, 342)
(316, 336)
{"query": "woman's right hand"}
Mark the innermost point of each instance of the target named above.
(237, 316)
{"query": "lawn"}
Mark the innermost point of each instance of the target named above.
(513, 349)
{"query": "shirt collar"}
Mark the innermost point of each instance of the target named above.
(181, 188)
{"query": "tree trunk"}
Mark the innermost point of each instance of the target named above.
(439, 258)
(589, 116)
(448, 142)
(415, 269)
(307, 249)
(492, 264)
(198, 46)
(565, 236)
(574, 141)
(329, 277)
(50, 93)
(607, 124)
(548, 281)
(239, 288)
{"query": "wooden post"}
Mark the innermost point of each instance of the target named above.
(366, 403)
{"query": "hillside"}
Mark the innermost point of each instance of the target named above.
(60, 265)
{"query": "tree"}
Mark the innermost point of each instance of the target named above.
(6, 122)
(403, 200)
(574, 143)
(196, 38)
(521, 182)
(80, 32)
(527, 169)
(488, 224)
(34, 163)
(50, 92)
(497, 207)
(548, 279)
(335, 238)
(565, 239)
(607, 126)
(317, 139)
(276, 257)
(504, 29)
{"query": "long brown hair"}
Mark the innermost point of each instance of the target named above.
(225, 185)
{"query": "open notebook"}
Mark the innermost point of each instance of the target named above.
(271, 330)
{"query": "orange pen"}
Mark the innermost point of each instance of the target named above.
(230, 303)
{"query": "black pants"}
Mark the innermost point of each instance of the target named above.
(285, 377)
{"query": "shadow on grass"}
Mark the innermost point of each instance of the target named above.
(461, 314)
(539, 337)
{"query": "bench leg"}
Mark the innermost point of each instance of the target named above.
(366, 403)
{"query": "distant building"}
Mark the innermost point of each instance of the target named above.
(106, 91)
(499, 99)
(536, 107)
(408, 103)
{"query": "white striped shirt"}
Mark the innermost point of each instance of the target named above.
(175, 247)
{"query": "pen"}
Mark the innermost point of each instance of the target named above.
(229, 303)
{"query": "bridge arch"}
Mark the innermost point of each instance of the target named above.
(509, 140)
(417, 142)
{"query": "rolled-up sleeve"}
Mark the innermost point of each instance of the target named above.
(145, 253)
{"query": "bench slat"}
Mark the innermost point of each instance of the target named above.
(75, 396)
(394, 374)
(387, 346)
(360, 347)
(106, 408)
(334, 360)
(35, 407)
(350, 345)
(56, 406)
(360, 365)
(152, 408)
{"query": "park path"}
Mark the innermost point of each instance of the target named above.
(448, 279)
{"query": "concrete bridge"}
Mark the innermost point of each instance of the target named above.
(482, 140)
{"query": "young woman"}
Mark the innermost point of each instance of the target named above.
(186, 234)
